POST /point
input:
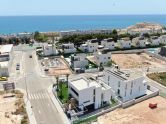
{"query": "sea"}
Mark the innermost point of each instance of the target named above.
(20, 24)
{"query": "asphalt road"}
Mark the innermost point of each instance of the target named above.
(43, 108)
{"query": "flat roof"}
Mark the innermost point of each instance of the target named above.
(83, 83)
(6, 48)
(4, 64)
(125, 74)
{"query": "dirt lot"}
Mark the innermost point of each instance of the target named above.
(138, 114)
(56, 66)
(12, 109)
(127, 61)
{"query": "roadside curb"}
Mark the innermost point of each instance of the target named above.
(156, 82)
(58, 107)
(31, 115)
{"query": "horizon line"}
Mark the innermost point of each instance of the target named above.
(87, 15)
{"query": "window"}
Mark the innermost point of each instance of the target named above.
(108, 78)
(130, 91)
(126, 86)
(74, 91)
(86, 101)
(119, 84)
(109, 57)
(131, 84)
(94, 92)
(125, 93)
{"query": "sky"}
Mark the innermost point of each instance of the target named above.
(81, 7)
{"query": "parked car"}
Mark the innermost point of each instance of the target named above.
(46, 69)
(17, 67)
(3, 78)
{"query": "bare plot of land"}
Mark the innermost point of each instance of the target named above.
(56, 66)
(136, 60)
(138, 114)
(12, 109)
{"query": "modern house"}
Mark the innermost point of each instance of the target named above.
(126, 85)
(89, 93)
(79, 61)
(50, 50)
(108, 43)
(6, 52)
(68, 48)
(163, 39)
(102, 58)
(4, 69)
(90, 46)
(124, 43)
(139, 42)
(154, 41)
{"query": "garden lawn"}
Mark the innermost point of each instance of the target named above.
(63, 92)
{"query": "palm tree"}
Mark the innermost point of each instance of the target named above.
(67, 77)
(57, 82)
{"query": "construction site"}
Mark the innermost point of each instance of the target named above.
(140, 60)
(55, 67)
(140, 113)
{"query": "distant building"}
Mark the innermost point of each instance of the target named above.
(6, 52)
(89, 93)
(50, 50)
(126, 85)
(90, 46)
(124, 43)
(4, 69)
(68, 48)
(108, 44)
(102, 58)
(154, 41)
(139, 41)
(79, 61)
(163, 39)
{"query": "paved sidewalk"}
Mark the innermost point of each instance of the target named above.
(28, 107)
(59, 109)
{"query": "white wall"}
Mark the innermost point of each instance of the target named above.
(129, 92)
(108, 45)
(124, 44)
(102, 58)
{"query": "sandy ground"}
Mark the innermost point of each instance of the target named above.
(138, 114)
(60, 68)
(7, 106)
(127, 61)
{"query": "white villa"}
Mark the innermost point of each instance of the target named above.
(79, 61)
(139, 41)
(50, 50)
(163, 39)
(90, 46)
(89, 93)
(6, 52)
(154, 41)
(102, 58)
(127, 86)
(68, 48)
(108, 44)
(124, 43)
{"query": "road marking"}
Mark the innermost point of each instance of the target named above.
(34, 96)
(40, 96)
(37, 96)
